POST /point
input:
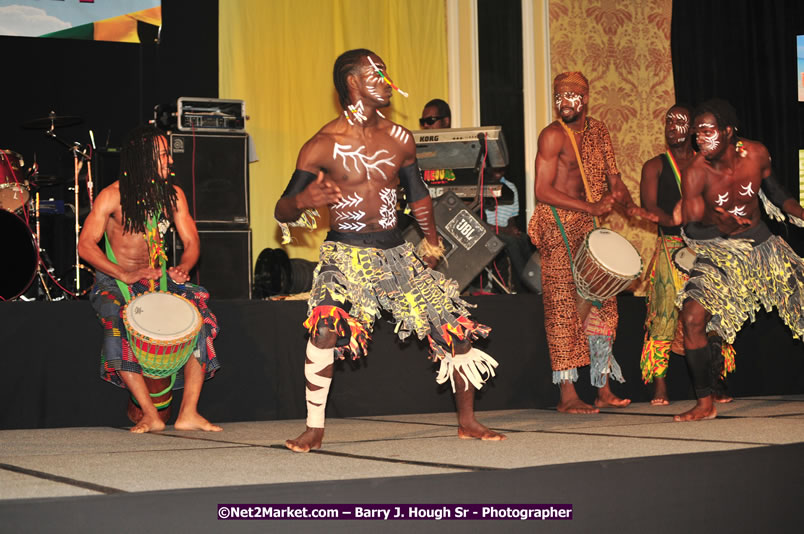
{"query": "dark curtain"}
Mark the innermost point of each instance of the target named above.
(500, 68)
(744, 51)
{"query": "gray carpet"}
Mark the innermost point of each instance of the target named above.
(631, 463)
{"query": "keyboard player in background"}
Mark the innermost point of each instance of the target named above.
(436, 115)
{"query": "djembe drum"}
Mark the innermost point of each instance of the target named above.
(605, 264)
(163, 332)
(684, 259)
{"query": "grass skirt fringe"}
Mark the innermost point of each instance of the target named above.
(741, 278)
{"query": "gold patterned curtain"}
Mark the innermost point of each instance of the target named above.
(278, 55)
(623, 48)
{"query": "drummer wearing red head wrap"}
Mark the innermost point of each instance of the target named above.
(577, 180)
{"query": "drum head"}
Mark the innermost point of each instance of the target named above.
(684, 259)
(162, 316)
(614, 252)
(20, 253)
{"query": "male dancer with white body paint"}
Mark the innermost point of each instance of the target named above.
(739, 263)
(353, 166)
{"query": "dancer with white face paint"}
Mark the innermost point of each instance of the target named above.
(739, 265)
(660, 192)
(353, 167)
(572, 187)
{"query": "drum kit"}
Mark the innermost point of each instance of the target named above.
(30, 275)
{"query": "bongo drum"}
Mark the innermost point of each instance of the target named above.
(605, 264)
(163, 331)
(684, 259)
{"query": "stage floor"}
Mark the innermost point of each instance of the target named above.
(47, 476)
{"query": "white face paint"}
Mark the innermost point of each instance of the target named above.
(376, 84)
(722, 199)
(708, 137)
(574, 100)
(370, 163)
(746, 191)
(676, 124)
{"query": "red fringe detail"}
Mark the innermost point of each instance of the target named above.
(358, 341)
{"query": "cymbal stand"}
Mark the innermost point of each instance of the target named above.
(39, 251)
(79, 156)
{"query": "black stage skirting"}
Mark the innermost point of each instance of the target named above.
(51, 354)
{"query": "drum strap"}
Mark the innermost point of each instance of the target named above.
(580, 164)
(124, 287)
(674, 168)
(596, 303)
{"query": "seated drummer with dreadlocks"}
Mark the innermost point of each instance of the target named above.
(353, 166)
(133, 214)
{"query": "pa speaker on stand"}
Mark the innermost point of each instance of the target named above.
(471, 244)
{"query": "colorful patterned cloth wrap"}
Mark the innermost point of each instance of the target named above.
(663, 330)
(353, 284)
(116, 354)
(733, 277)
(565, 333)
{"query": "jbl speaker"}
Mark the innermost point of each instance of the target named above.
(471, 244)
(224, 267)
(213, 172)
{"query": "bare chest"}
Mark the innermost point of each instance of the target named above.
(735, 192)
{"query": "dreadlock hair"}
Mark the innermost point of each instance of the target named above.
(346, 64)
(724, 114)
(142, 191)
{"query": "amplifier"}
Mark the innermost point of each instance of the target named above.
(471, 244)
(224, 268)
(210, 115)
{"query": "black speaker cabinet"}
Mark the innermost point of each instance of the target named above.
(213, 172)
(471, 244)
(224, 268)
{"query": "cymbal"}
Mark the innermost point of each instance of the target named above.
(54, 120)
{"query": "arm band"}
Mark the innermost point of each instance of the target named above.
(298, 182)
(776, 192)
(410, 178)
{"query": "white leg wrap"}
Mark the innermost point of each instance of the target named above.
(317, 399)
(472, 366)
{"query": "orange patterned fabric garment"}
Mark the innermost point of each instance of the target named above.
(565, 333)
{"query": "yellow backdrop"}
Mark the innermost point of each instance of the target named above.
(278, 57)
(623, 48)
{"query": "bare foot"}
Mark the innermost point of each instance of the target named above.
(148, 424)
(606, 398)
(195, 422)
(575, 405)
(475, 430)
(569, 402)
(723, 397)
(309, 439)
(703, 409)
(660, 397)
